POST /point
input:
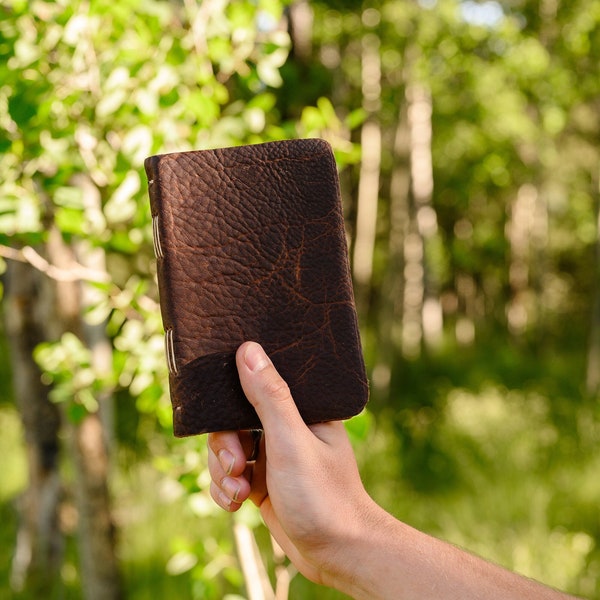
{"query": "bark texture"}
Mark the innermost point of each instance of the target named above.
(39, 547)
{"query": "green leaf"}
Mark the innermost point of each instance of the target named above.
(355, 118)
(76, 413)
(70, 220)
(122, 205)
(360, 426)
(120, 241)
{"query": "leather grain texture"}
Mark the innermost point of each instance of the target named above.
(250, 245)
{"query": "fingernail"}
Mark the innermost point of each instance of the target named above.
(224, 500)
(255, 358)
(231, 488)
(227, 460)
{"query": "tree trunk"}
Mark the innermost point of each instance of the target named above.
(300, 28)
(368, 185)
(39, 545)
(94, 325)
(420, 110)
(97, 541)
(392, 288)
(593, 357)
(422, 317)
(527, 234)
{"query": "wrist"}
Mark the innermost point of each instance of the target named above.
(354, 566)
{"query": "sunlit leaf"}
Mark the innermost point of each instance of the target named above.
(122, 206)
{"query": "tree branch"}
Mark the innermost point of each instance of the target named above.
(75, 272)
(258, 585)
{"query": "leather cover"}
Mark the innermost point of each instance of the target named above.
(250, 245)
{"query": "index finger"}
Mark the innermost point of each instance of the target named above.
(227, 448)
(232, 449)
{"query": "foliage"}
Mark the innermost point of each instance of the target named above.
(487, 439)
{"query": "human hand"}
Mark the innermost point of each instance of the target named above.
(306, 484)
(305, 480)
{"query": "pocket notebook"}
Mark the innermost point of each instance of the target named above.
(250, 245)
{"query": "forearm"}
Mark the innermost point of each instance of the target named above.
(390, 560)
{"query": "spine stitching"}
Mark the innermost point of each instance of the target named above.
(151, 167)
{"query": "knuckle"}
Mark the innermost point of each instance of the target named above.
(277, 389)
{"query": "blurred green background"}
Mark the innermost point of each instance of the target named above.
(467, 137)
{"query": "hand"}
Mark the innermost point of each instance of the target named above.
(306, 484)
(305, 481)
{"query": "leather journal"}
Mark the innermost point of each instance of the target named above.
(250, 245)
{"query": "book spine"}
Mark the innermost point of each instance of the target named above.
(151, 165)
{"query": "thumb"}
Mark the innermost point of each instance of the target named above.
(267, 391)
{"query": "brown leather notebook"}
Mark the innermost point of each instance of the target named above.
(250, 245)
